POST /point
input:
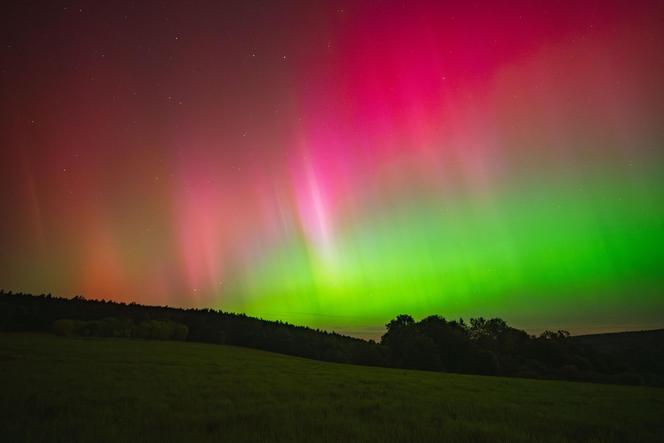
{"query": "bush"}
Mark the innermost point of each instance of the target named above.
(629, 378)
(64, 327)
(160, 330)
(570, 372)
(484, 362)
(180, 331)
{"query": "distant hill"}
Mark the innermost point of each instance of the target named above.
(635, 351)
(622, 341)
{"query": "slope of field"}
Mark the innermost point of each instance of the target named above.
(77, 389)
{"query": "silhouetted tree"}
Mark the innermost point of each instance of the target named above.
(410, 347)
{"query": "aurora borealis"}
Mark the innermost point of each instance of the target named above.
(335, 164)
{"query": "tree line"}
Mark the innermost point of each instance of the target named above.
(481, 346)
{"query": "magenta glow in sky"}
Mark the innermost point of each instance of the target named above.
(338, 164)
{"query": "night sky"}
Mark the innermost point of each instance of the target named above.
(337, 163)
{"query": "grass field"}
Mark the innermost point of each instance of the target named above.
(77, 389)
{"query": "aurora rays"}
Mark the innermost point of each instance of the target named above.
(337, 165)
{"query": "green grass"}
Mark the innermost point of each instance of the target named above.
(76, 389)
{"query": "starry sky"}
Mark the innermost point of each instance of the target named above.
(335, 164)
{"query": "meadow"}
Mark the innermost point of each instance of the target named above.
(70, 389)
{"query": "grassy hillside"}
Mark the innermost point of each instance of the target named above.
(77, 389)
